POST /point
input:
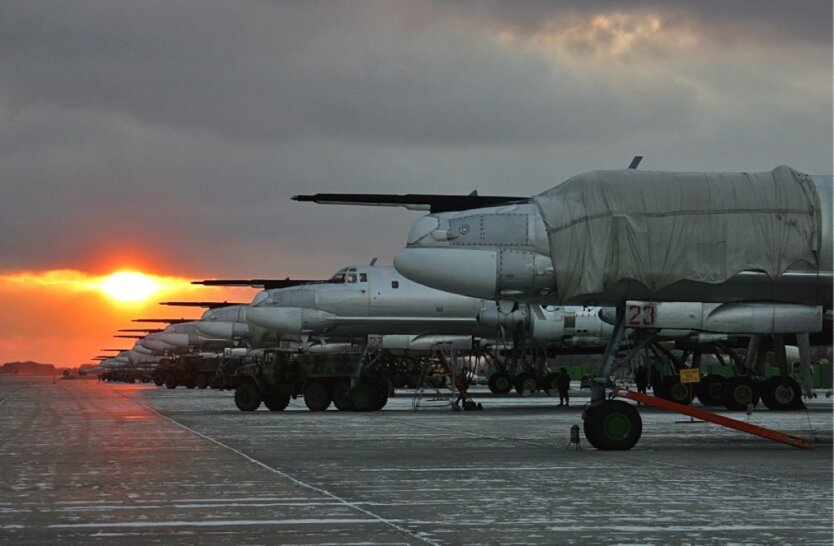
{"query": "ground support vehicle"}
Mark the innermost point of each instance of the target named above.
(350, 381)
(191, 371)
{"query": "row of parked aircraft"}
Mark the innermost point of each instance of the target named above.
(603, 261)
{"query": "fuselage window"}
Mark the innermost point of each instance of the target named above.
(395, 284)
(363, 277)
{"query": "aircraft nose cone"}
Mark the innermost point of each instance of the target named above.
(460, 271)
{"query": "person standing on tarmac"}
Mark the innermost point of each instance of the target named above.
(641, 379)
(563, 384)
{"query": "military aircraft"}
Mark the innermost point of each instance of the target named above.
(375, 300)
(738, 253)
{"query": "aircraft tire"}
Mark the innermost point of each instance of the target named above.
(317, 396)
(613, 425)
(526, 383)
(738, 392)
(341, 396)
(277, 402)
(381, 399)
(158, 380)
(781, 394)
(171, 381)
(675, 391)
(499, 383)
(201, 381)
(247, 396)
(709, 390)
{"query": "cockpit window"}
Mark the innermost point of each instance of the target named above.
(337, 278)
(363, 277)
(260, 297)
(351, 277)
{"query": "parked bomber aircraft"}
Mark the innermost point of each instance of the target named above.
(740, 253)
(359, 301)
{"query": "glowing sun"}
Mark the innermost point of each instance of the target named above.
(129, 286)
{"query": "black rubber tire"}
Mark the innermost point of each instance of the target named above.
(549, 384)
(675, 391)
(709, 390)
(381, 399)
(247, 396)
(781, 394)
(613, 425)
(317, 396)
(500, 383)
(526, 383)
(738, 392)
(341, 396)
(277, 402)
(171, 381)
(363, 397)
(201, 381)
(158, 380)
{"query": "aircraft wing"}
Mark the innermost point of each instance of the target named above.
(414, 201)
(266, 284)
(145, 330)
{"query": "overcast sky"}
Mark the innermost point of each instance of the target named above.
(171, 135)
(176, 132)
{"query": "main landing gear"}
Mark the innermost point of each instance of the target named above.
(612, 424)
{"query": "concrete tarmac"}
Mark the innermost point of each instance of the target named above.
(83, 462)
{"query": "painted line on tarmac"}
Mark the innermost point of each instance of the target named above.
(2, 400)
(295, 480)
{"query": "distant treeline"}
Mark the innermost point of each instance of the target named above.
(26, 368)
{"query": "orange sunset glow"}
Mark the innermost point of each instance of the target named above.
(65, 317)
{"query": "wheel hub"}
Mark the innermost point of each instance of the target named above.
(783, 394)
(743, 394)
(616, 426)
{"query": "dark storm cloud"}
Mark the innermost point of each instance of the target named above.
(256, 74)
(179, 130)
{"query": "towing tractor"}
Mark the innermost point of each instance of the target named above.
(350, 381)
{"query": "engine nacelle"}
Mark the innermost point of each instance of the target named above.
(223, 330)
(289, 320)
(493, 321)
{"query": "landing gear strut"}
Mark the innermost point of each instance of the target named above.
(612, 424)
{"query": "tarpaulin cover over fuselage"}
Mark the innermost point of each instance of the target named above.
(662, 227)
